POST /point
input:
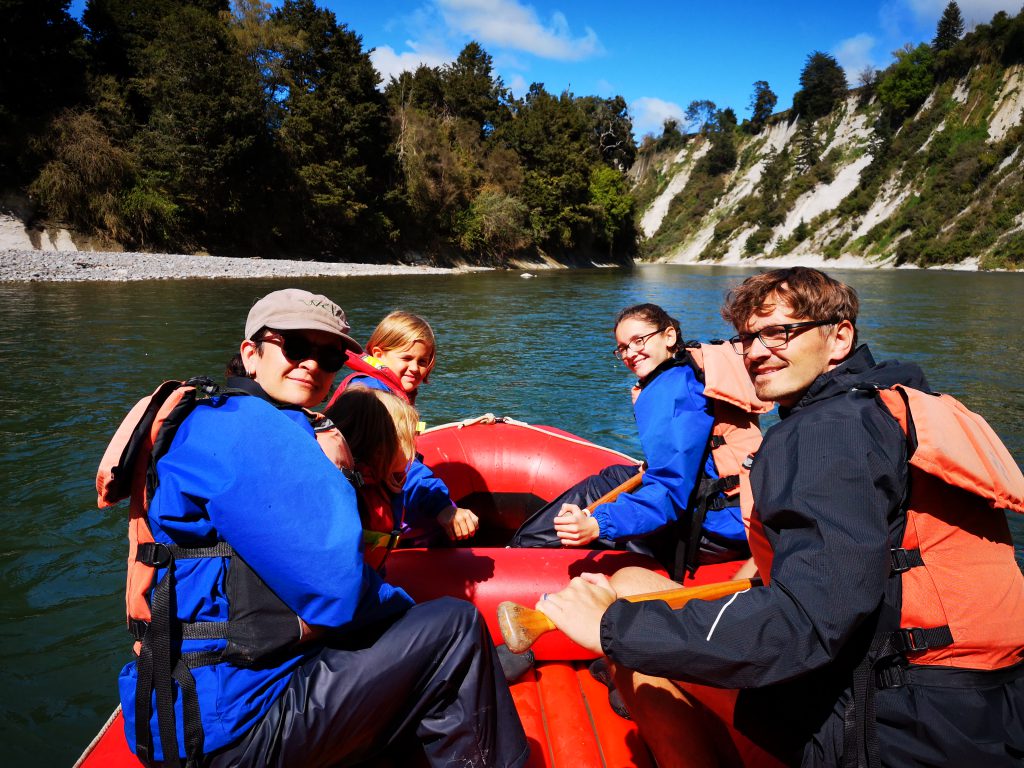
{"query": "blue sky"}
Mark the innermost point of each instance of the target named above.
(659, 56)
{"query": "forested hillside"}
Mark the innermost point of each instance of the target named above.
(234, 127)
(919, 164)
(239, 128)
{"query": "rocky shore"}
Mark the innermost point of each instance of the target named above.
(17, 265)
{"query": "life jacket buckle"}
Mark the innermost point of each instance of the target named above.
(913, 639)
(137, 628)
(892, 676)
(155, 554)
(902, 560)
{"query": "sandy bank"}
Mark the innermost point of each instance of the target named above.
(17, 265)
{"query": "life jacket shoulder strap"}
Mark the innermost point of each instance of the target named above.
(368, 365)
(956, 445)
(725, 377)
(134, 438)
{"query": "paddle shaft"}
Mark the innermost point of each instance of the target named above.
(630, 485)
(521, 626)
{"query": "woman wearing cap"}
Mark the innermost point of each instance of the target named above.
(366, 669)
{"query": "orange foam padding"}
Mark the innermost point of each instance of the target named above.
(618, 738)
(571, 737)
(487, 577)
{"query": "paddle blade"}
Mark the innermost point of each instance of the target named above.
(521, 626)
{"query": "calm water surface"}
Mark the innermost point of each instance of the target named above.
(75, 357)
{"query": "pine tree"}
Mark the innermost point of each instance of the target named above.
(762, 102)
(822, 85)
(950, 28)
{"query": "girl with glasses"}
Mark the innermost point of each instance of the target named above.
(675, 421)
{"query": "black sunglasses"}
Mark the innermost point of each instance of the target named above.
(297, 348)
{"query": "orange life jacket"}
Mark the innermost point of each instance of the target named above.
(381, 531)
(735, 434)
(128, 470)
(368, 365)
(962, 601)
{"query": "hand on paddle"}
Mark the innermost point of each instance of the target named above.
(577, 609)
(575, 527)
(458, 523)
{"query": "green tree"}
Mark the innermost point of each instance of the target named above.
(721, 156)
(950, 28)
(699, 113)
(611, 130)
(472, 91)
(495, 225)
(334, 134)
(907, 83)
(553, 139)
(609, 195)
(762, 104)
(41, 67)
(808, 147)
(822, 86)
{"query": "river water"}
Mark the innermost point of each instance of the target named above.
(74, 357)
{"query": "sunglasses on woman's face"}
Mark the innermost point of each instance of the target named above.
(297, 348)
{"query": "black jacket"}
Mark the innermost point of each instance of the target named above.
(828, 485)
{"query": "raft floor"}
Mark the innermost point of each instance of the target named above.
(565, 712)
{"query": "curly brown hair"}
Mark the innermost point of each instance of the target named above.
(810, 294)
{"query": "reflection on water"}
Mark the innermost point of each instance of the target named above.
(74, 358)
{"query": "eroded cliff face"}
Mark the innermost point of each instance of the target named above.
(944, 187)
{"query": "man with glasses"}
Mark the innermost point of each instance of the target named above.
(890, 629)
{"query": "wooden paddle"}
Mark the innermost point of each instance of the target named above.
(521, 626)
(629, 485)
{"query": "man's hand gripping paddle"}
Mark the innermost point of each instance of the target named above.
(521, 626)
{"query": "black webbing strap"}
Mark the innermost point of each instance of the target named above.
(154, 670)
(160, 658)
(709, 498)
(190, 702)
(904, 559)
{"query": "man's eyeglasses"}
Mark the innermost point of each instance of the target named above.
(636, 344)
(774, 336)
(297, 348)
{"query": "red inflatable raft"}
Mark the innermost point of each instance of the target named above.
(505, 470)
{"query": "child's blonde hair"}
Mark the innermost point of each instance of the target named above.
(378, 426)
(400, 330)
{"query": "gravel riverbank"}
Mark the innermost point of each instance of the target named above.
(66, 266)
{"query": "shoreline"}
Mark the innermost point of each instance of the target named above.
(24, 265)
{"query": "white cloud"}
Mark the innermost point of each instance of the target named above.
(973, 11)
(518, 85)
(391, 63)
(510, 24)
(649, 114)
(854, 54)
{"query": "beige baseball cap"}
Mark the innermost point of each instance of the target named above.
(296, 309)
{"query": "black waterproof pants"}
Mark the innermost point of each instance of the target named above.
(431, 676)
(539, 529)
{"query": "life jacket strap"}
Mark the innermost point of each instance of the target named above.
(160, 555)
(916, 639)
(354, 476)
(709, 498)
(190, 630)
(905, 559)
